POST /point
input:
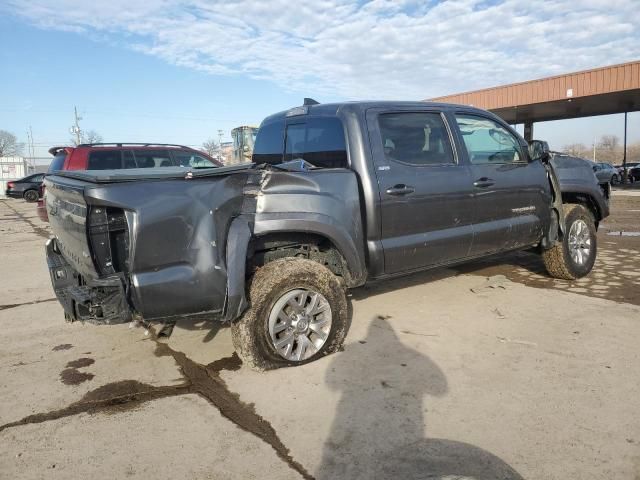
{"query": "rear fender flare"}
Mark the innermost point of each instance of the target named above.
(242, 229)
(322, 225)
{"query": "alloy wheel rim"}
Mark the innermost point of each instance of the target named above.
(299, 324)
(579, 242)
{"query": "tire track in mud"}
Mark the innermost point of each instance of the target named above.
(202, 380)
(41, 231)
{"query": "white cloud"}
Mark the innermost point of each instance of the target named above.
(380, 49)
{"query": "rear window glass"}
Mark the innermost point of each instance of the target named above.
(269, 142)
(105, 160)
(152, 158)
(319, 141)
(57, 163)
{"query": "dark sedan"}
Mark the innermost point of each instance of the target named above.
(28, 187)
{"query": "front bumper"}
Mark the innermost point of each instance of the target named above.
(102, 301)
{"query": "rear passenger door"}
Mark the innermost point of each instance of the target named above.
(425, 190)
(511, 195)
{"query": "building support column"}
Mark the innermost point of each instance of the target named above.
(528, 131)
(624, 151)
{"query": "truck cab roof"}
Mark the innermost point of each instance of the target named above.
(334, 109)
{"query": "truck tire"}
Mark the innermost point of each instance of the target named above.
(298, 313)
(31, 196)
(573, 256)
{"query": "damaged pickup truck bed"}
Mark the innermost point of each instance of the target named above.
(338, 195)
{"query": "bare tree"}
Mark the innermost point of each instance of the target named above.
(211, 147)
(576, 149)
(609, 149)
(9, 145)
(90, 136)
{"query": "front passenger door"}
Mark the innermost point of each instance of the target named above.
(511, 194)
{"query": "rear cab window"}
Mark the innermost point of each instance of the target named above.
(269, 143)
(319, 141)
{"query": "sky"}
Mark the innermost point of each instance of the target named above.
(177, 71)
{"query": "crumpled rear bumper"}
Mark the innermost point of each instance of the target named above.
(102, 301)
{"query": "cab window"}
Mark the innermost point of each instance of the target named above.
(488, 142)
(415, 138)
(269, 143)
(317, 140)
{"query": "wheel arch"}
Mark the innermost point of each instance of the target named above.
(585, 199)
(253, 243)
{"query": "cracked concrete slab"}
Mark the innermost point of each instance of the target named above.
(445, 375)
(178, 437)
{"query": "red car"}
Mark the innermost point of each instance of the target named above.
(116, 156)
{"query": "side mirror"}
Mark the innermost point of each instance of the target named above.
(539, 150)
(595, 169)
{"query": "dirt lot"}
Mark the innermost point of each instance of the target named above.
(488, 371)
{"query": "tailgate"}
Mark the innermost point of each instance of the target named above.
(67, 213)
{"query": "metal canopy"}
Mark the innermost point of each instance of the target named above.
(599, 91)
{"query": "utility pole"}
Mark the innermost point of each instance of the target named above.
(220, 135)
(75, 129)
(594, 148)
(31, 147)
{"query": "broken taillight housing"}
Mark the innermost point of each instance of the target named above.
(109, 237)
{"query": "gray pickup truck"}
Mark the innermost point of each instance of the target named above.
(337, 195)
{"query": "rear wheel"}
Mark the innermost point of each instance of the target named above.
(31, 196)
(298, 313)
(573, 256)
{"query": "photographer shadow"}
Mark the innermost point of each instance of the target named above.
(379, 428)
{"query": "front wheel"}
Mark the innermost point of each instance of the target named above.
(298, 312)
(615, 180)
(573, 256)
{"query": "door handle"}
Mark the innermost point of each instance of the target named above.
(400, 189)
(483, 182)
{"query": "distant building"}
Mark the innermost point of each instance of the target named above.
(12, 168)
